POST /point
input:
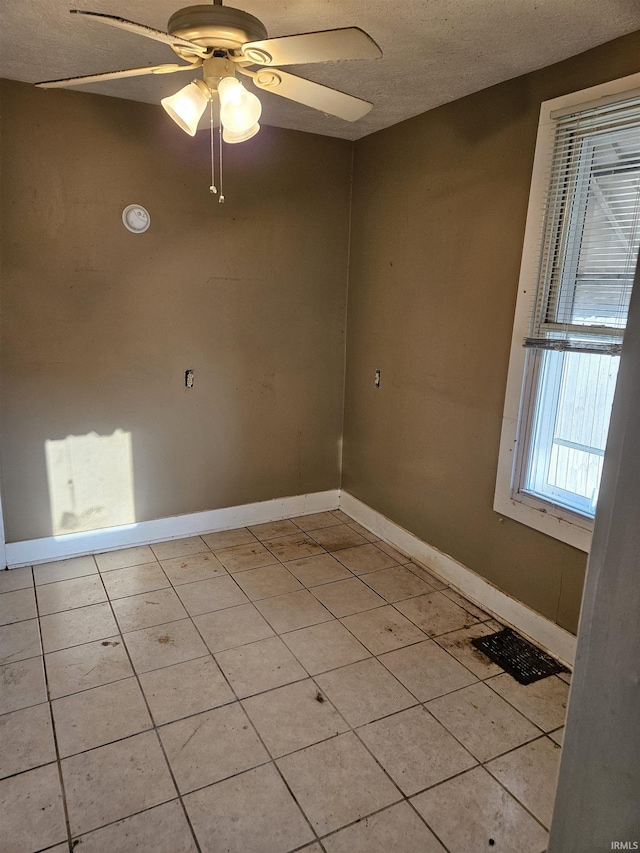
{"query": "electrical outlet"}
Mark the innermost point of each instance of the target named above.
(376, 381)
(189, 378)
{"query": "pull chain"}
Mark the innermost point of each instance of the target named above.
(221, 196)
(212, 188)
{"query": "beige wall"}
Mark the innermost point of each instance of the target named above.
(99, 325)
(437, 229)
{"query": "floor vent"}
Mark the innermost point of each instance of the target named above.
(520, 658)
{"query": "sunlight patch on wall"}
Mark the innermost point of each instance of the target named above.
(90, 481)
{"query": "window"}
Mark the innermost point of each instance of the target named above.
(577, 273)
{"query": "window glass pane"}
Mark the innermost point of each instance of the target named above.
(570, 426)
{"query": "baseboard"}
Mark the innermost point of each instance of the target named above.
(540, 630)
(30, 552)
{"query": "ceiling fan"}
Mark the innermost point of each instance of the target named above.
(222, 40)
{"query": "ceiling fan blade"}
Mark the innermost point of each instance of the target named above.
(143, 30)
(311, 94)
(115, 75)
(325, 46)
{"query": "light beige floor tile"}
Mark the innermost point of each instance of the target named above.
(19, 641)
(67, 595)
(229, 538)
(27, 740)
(90, 665)
(396, 584)
(164, 645)
(427, 670)
(100, 715)
(395, 829)
(75, 627)
(192, 568)
(544, 702)
(436, 614)
(364, 559)
(163, 829)
(324, 647)
(313, 571)
(565, 676)
(243, 557)
(121, 583)
(251, 813)
(125, 557)
(467, 605)
(186, 688)
(293, 610)
(293, 717)
(383, 629)
(178, 548)
(235, 626)
(341, 516)
(17, 606)
(345, 597)
(458, 644)
(346, 783)
(337, 538)
(558, 736)
(266, 582)
(32, 811)
(366, 534)
(398, 556)
(62, 570)
(12, 579)
(317, 520)
(22, 684)
(259, 666)
(272, 529)
(211, 746)
(294, 547)
(427, 576)
(148, 609)
(467, 811)
(530, 773)
(115, 781)
(415, 750)
(364, 691)
(483, 722)
(213, 594)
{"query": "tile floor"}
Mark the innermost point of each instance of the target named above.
(291, 686)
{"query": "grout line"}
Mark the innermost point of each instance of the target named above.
(65, 807)
(154, 729)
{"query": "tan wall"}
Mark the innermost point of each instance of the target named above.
(99, 325)
(437, 229)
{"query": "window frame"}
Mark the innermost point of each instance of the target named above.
(542, 515)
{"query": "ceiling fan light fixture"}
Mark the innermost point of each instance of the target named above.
(187, 106)
(233, 138)
(240, 110)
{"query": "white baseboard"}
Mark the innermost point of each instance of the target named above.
(540, 630)
(34, 551)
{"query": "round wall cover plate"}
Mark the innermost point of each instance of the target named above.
(136, 218)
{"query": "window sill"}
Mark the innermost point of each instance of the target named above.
(572, 529)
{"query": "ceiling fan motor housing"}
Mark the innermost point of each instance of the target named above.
(215, 26)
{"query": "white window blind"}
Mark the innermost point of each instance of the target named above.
(591, 231)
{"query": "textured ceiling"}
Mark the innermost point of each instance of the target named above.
(434, 50)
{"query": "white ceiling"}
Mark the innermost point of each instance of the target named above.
(434, 50)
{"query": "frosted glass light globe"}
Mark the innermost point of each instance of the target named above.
(239, 110)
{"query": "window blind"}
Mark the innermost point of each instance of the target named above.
(591, 231)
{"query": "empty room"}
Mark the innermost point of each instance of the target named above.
(319, 426)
